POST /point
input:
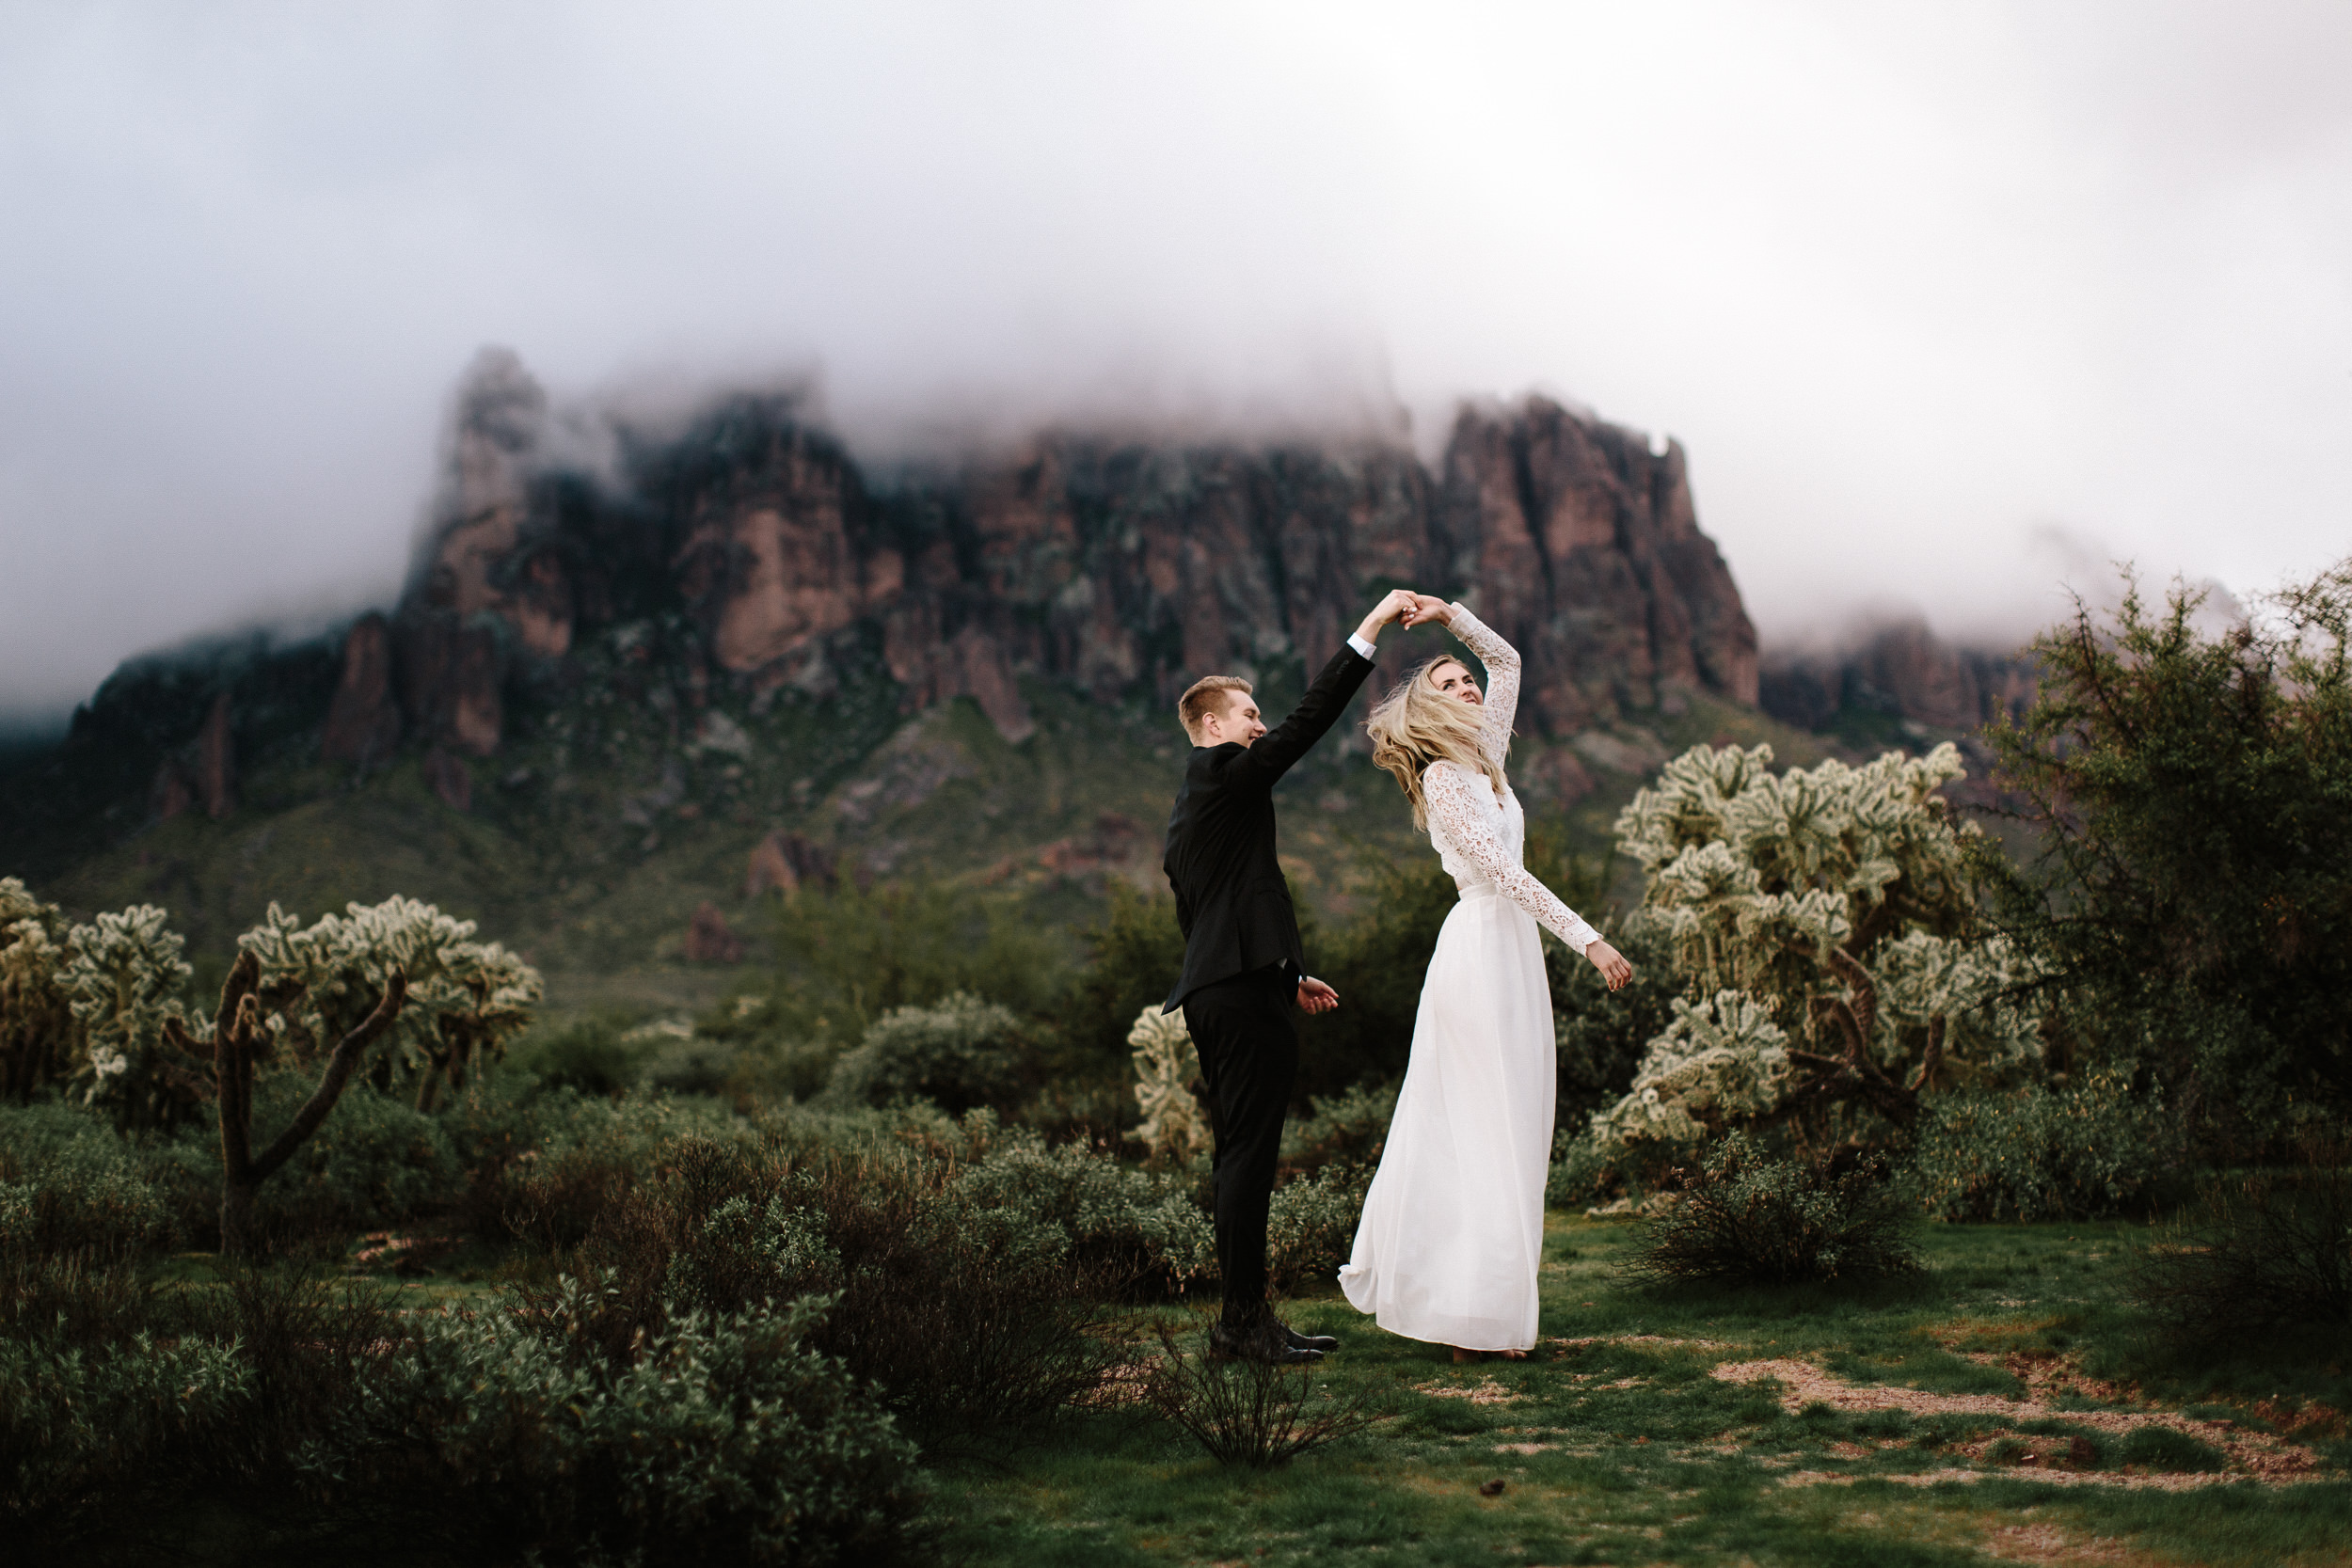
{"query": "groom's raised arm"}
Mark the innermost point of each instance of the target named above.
(1327, 697)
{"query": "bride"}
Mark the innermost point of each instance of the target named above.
(1452, 1229)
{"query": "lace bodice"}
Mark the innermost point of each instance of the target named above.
(1479, 838)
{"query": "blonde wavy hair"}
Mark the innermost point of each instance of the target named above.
(1416, 725)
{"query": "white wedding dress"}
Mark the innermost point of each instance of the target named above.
(1452, 1231)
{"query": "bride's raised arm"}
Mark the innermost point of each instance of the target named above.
(1503, 680)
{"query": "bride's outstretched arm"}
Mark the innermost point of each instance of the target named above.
(1471, 828)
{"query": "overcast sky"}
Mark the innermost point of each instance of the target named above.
(1948, 302)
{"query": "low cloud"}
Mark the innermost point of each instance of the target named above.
(1907, 284)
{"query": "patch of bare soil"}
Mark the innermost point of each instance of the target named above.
(2049, 1544)
(1487, 1392)
(1581, 1341)
(2248, 1455)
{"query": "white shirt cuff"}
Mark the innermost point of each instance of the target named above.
(1359, 645)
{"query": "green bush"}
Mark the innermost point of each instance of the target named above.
(1131, 962)
(1743, 1217)
(722, 1439)
(79, 1423)
(976, 1308)
(2041, 1154)
(1130, 1224)
(1585, 1170)
(960, 1054)
(1310, 1228)
(376, 1161)
(2189, 785)
(1350, 1128)
(594, 1055)
(2268, 1253)
(544, 1167)
(68, 1182)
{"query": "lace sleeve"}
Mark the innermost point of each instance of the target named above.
(1503, 680)
(1470, 826)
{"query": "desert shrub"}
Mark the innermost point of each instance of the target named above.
(979, 1320)
(1130, 961)
(1310, 1226)
(727, 1438)
(69, 1183)
(594, 1055)
(962, 1052)
(2269, 1252)
(1246, 1412)
(2190, 790)
(1129, 1224)
(2041, 1154)
(1349, 1128)
(80, 1423)
(695, 1065)
(117, 1393)
(544, 1167)
(1744, 1218)
(1585, 1169)
(308, 1341)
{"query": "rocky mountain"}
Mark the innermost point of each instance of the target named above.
(650, 667)
(1894, 675)
(1121, 570)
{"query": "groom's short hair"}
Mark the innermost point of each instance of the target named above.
(1205, 697)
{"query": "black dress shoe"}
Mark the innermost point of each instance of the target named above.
(1321, 1344)
(1265, 1340)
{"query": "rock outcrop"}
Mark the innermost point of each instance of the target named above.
(1123, 569)
(1900, 669)
(216, 761)
(785, 862)
(709, 939)
(363, 723)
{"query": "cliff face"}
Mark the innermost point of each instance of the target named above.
(1126, 570)
(1899, 670)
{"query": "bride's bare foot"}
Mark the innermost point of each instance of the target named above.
(1462, 1357)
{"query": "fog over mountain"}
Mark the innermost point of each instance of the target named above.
(1919, 292)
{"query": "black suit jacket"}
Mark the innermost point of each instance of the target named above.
(1230, 897)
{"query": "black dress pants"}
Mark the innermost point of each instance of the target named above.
(1249, 1060)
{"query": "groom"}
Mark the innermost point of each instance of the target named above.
(1243, 964)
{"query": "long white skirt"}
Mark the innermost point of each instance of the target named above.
(1452, 1231)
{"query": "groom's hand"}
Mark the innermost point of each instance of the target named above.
(1317, 997)
(1391, 607)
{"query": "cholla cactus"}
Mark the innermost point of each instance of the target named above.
(122, 977)
(1836, 903)
(1721, 1061)
(38, 1033)
(1174, 1125)
(465, 999)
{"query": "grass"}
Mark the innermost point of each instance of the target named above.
(1622, 1448)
